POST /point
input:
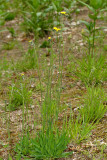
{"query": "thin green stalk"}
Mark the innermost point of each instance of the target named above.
(51, 69)
(60, 70)
(38, 68)
(27, 120)
(9, 114)
(7, 122)
(94, 37)
(62, 62)
(23, 111)
(89, 45)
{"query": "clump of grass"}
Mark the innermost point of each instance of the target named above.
(11, 31)
(92, 70)
(8, 46)
(10, 16)
(4, 64)
(18, 92)
(29, 61)
(48, 143)
(93, 109)
(5, 67)
(78, 129)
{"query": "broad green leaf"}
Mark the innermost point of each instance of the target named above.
(10, 158)
(88, 25)
(94, 17)
(96, 4)
(102, 10)
(91, 8)
(85, 22)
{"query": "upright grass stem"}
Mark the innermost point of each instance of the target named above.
(38, 68)
(94, 37)
(9, 114)
(23, 112)
(51, 70)
(89, 47)
(59, 81)
(7, 124)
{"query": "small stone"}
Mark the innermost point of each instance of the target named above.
(73, 24)
(8, 36)
(105, 30)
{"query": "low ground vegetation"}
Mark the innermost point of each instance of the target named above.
(53, 73)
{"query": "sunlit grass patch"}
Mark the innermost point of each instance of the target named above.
(92, 70)
(79, 130)
(18, 95)
(8, 46)
(48, 143)
(94, 109)
(28, 61)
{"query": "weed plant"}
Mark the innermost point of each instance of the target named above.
(50, 141)
(96, 7)
(38, 16)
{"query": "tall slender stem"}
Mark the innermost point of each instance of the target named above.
(94, 38)
(89, 47)
(38, 68)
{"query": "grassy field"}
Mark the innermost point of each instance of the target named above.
(53, 74)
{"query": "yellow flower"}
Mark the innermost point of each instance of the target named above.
(63, 13)
(82, 31)
(30, 41)
(49, 38)
(22, 74)
(56, 29)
